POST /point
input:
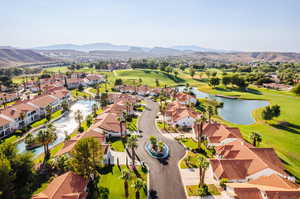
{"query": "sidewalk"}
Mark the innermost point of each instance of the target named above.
(122, 156)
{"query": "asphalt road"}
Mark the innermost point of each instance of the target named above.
(165, 180)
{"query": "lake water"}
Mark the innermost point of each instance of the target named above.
(238, 111)
(65, 124)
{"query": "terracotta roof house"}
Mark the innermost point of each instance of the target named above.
(265, 187)
(110, 124)
(94, 79)
(66, 186)
(240, 162)
(181, 115)
(143, 90)
(185, 98)
(117, 97)
(92, 132)
(119, 108)
(219, 134)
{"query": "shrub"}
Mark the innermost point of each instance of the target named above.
(223, 182)
(81, 129)
(203, 191)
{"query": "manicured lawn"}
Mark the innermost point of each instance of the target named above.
(117, 144)
(193, 145)
(284, 138)
(165, 127)
(7, 104)
(77, 93)
(132, 125)
(148, 77)
(193, 163)
(193, 190)
(110, 179)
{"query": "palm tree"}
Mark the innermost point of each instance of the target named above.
(95, 108)
(132, 143)
(46, 137)
(199, 128)
(160, 146)
(210, 111)
(78, 117)
(122, 121)
(49, 110)
(203, 165)
(256, 138)
(153, 141)
(138, 185)
(65, 106)
(126, 176)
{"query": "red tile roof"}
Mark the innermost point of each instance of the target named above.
(109, 122)
(66, 186)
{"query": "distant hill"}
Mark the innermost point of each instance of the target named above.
(246, 57)
(14, 57)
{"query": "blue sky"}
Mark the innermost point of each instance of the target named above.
(248, 25)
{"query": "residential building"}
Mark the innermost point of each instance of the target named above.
(65, 186)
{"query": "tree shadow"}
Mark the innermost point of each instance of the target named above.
(106, 169)
(164, 161)
(248, 90)
(286, 126)
(153, 194)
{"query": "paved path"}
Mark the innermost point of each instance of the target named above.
(165, 180)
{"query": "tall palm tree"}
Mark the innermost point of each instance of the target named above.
(126, 176)
(95, 108)
(48, 112)
(122, 121)
(256, 138)
(199, 128)
(210, 111)
(132, 143)
(78, 117)
(203, 165)
(46, 137)
(138, 185)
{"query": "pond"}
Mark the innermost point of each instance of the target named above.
(238, 111)
(65, 124)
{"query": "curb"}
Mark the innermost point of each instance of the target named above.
(178, 165)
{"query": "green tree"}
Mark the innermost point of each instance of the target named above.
(7, 178)
(65, 106)
(203, 165)
(138, 185)
(78, 117)
(223, 182)
(199, 127)
(256, 138)
(126, 176)
(49, 110)
(157, 82)
(214, 82)
(46, 137)
(192, 72)
(269, 112)
(118, 82)
(132, 143)
(86, 157)
(211, 112)
(89, 120)
(226, 80)
(296, 89)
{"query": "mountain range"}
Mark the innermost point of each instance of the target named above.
(112, 47)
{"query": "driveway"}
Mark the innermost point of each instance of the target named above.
(165, 180)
